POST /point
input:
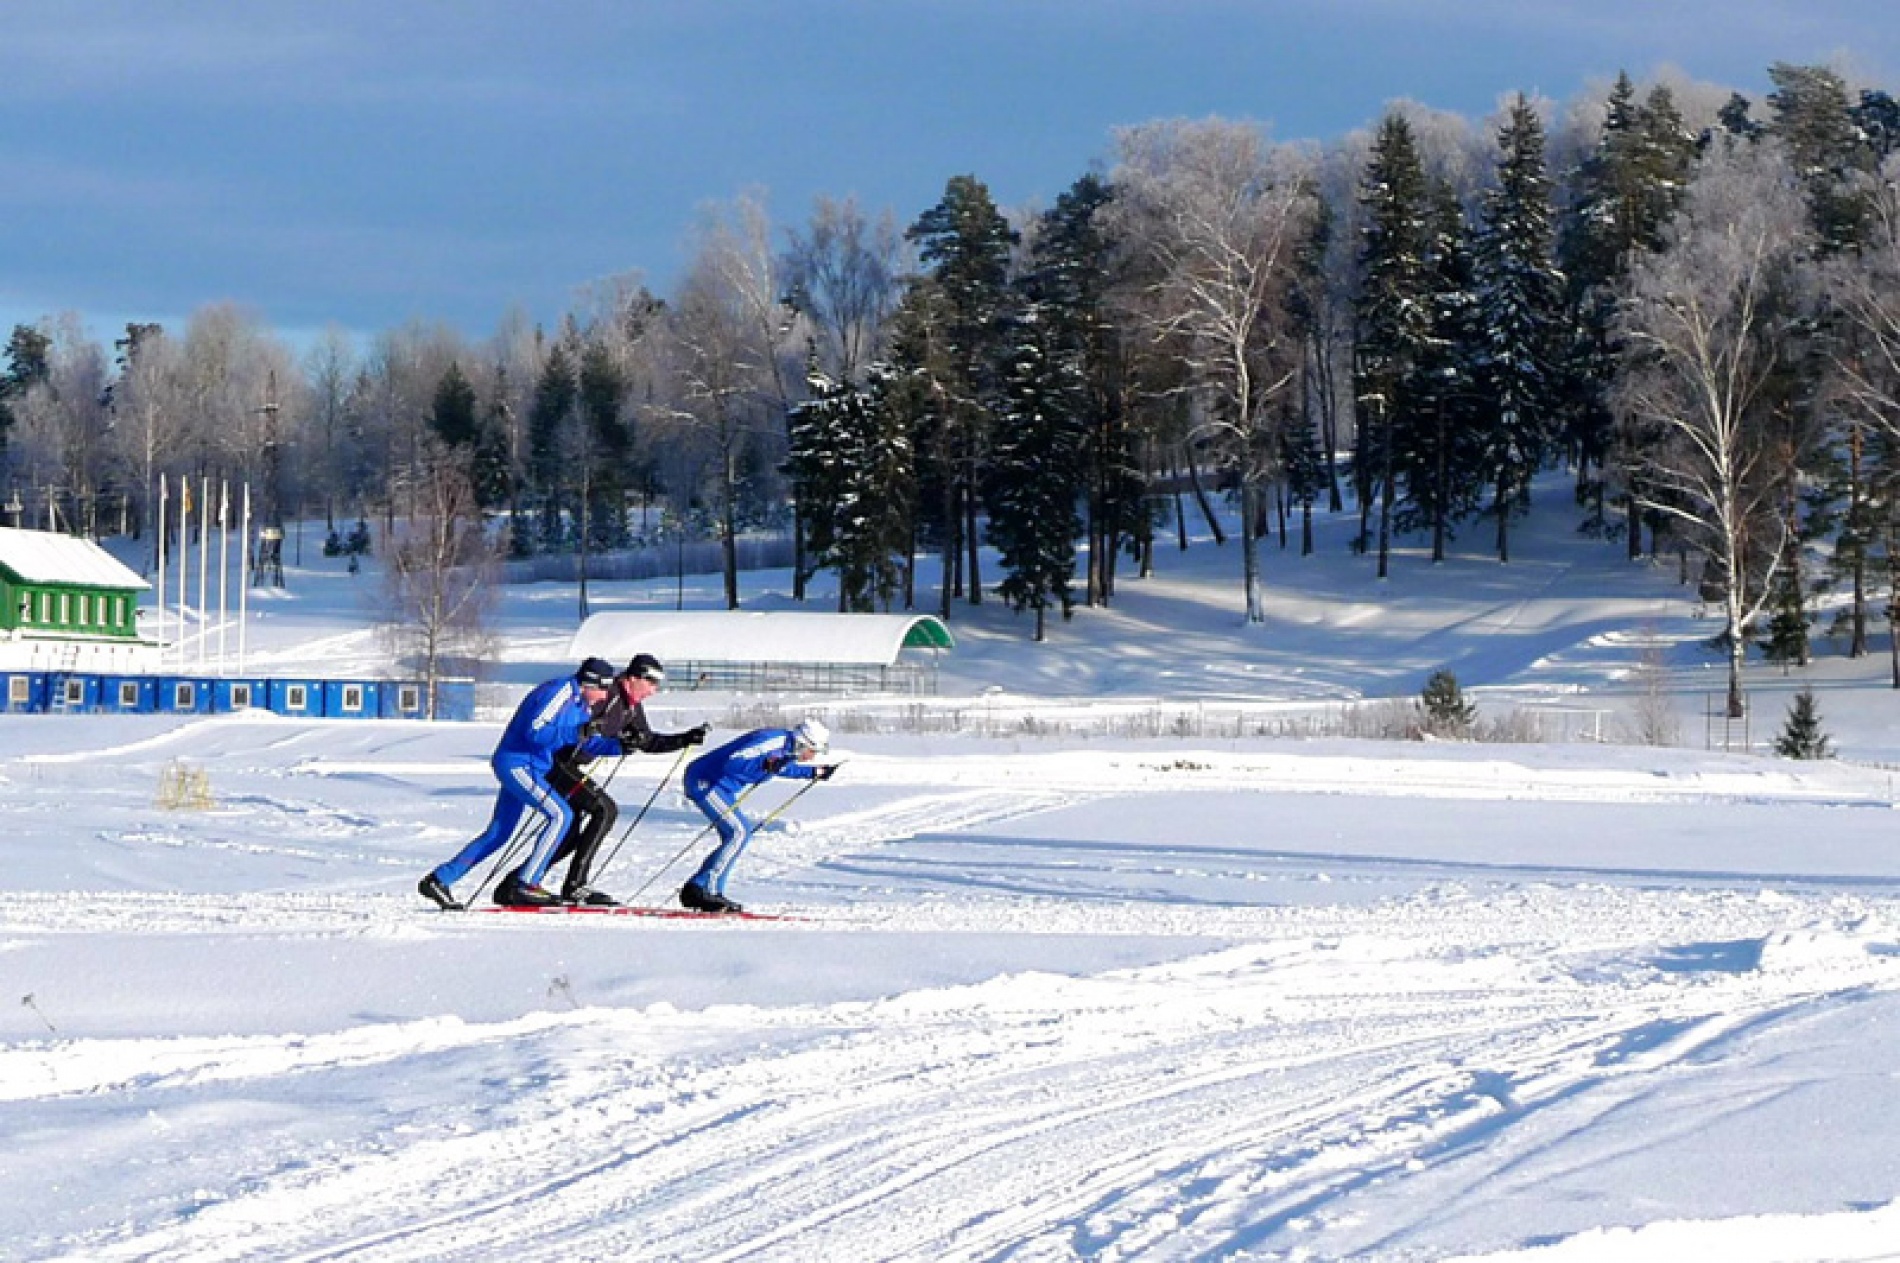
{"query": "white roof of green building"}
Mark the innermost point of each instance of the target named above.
(49, 557)
(742, 636)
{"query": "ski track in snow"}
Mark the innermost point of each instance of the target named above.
(1228, 1102)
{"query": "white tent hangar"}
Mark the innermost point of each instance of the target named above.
(775, 652)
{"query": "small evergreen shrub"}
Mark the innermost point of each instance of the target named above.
(1801, 736)
(1446, 712)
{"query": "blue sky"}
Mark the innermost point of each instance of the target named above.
(370, 162)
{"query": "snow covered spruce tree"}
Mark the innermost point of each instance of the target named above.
(1438, 449)
(1071, 273)
(1704, 329)
(841, 279)
(1033, 483)
(1221, 215)
(1622, 195)
(1519, 299)
(1394, 313)
(850, 463)
(965, 244)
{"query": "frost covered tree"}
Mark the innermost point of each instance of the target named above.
(1864, 356)
(1221, 215)
(439, 574)
(851, 464)
(1703, 330)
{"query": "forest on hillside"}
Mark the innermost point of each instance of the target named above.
(1687, 300)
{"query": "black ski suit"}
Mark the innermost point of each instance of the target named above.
(594, 809)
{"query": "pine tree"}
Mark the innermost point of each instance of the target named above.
(1438, 451)
(850, 462)
(1801, 736)
(1519, 301)
(1394, 316)
(1034, 481)
(1447, 713)
(550, 422)
(453, 416)
(601, 395)
(1787, 639)
(29, 363)
(966, 244)
(1070, 272)
(1623, 195)
(1833, 156)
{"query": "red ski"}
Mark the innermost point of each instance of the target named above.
(623, 910)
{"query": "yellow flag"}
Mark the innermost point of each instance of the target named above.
(184, 490)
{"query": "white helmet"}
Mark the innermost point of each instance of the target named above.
(813, 735)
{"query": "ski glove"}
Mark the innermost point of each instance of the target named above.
(697, 736)
(824, 771)
(773, 762)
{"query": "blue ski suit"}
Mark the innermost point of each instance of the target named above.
(718, 778)
(552, 716)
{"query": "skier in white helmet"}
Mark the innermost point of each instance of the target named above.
(718, 778)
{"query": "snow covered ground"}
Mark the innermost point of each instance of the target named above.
(1041, 996)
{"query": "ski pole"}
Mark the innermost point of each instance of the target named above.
(691, 843)
(764, 820)
(651, 798)
(508, 853)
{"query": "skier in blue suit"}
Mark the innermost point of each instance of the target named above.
(716, 780)
(552, 716)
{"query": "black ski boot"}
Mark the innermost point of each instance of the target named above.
(588, 897)
(513, 893)
(697, 898)
(432, 889)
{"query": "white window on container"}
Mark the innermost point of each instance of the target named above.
(19, 690)
(184, 695)
(409, 698)
(296, 697)
(352, 697)
(75, 692)
(128, 695)
(240, 696)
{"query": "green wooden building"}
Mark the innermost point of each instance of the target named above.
(59, 590)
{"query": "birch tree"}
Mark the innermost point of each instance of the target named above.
(1223, 213)
(1703, 327)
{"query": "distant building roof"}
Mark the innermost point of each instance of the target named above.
(704, 636)
(49, 557)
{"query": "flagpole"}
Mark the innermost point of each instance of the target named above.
(184, 559)
(244, 577)
(204, 567)
(159, 629)
(224, 564)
